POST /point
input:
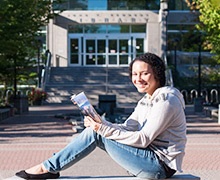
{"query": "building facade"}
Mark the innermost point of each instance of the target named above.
(111, 33)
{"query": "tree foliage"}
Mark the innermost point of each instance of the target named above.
(209, 23)
(20, 20)
(209, 17)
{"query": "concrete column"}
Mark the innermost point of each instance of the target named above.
(153, 38)
(50, 40)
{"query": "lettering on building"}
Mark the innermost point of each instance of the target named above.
(112, 18)
(93, 20)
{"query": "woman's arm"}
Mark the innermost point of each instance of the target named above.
(131, 124)
(160, 116)
(89, 122)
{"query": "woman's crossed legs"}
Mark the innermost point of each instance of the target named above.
(140, 162)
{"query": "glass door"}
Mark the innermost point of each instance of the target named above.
(112, 51)
(138, 46)
(75, 51)
(119, 51)
(124, 51)
(95, 51)
(90, 51)
(101, 52)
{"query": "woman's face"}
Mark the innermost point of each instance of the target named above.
(143, 78)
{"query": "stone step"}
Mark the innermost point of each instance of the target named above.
(61, 94)
(89, 71)
(121, 99)
(87, 87)
(175, 177)
(65, 81)
(73, 74)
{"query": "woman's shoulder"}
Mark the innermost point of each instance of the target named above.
(169, 94)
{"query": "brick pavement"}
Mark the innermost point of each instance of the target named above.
(203, 146)
(29, 139)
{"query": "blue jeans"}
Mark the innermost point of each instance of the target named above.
(140, 162)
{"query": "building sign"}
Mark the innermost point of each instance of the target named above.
(110, 17)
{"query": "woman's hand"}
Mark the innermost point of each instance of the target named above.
(89, 122)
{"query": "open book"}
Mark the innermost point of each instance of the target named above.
(84, 105)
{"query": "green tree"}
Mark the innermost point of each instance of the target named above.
(209, 17)
(209, 23)
(20, 22)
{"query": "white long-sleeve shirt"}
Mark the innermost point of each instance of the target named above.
(158, 123)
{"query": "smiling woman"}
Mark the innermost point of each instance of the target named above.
(149, 144)
(150, 68)
(143, 78)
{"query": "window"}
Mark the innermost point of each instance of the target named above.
(177, 5)
(94, 5)
(118, 28)
(95, 28)
(103, 29)
(138, 28)
(75, 28)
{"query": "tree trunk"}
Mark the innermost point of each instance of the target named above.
(15, 79)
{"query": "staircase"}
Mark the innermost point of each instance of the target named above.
(65, 81)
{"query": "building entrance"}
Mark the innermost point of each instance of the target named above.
(105, 50)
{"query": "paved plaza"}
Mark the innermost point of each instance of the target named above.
(28, 139)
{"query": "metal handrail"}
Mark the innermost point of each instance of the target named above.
(7, 95)
(46, 72)
(191, 94)
(185, 95)
(204, 93)
(27, 92)
(2, 96)
(169, 77)
(216, 95)
(19, 93)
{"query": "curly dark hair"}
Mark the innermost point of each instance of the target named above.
(156, 64)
